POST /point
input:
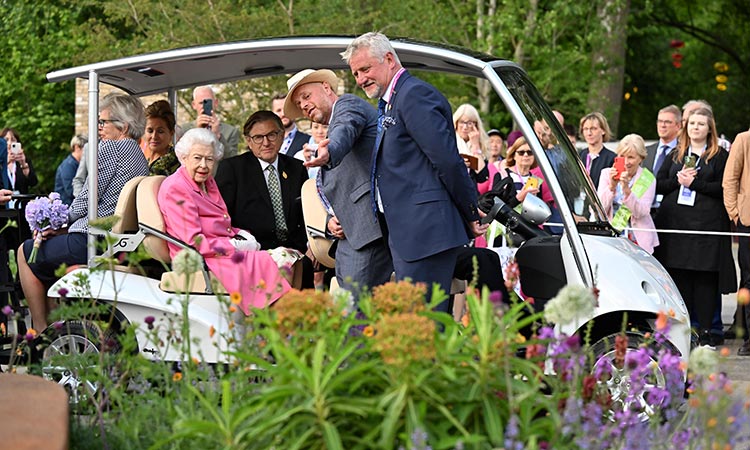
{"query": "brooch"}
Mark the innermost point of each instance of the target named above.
(388, 121)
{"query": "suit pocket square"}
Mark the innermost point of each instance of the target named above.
(388, 121)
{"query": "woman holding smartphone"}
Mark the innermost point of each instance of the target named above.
(523, 170)
(627, 191)
(21, 175)
(690, 180)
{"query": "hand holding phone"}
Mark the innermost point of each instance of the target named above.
(15, 148)
(208, 107)
(619, 166)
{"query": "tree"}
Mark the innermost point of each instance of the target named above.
(36, 38)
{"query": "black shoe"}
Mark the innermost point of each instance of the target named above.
(705, 338)
(717, 339)
(730, 333)
(744, 350)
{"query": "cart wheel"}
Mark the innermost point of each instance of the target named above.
(619, 382)
(73, 349)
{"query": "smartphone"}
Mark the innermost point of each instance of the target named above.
(208, 107)
(15, 147)
(619, 166)
(690, 161)
(532, 183)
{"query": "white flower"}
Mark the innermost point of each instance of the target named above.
(573, 301)
(344, 298)
(187, 261)
(703, 361)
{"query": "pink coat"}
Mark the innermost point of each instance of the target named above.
(640, 208)
(201, 219)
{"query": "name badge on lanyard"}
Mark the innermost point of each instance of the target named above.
(686, 196)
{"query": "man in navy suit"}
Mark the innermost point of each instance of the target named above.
(419, 183)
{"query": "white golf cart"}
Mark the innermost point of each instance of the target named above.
(585, 252)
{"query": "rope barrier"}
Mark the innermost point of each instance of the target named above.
(713, 233)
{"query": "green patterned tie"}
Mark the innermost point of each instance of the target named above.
(278, 208)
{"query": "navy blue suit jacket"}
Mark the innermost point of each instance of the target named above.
(427, 195)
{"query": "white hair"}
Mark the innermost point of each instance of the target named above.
(378, 44)
(198, 136)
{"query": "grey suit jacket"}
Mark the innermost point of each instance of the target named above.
(352, 130)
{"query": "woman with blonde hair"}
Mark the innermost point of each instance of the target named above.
(471, 139)
(701, 264)
(594, 128)
(627, 196)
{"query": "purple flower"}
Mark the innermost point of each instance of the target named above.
(62, 292)
(7, 310)
(46, 212)
(58, 325)
(496, 297)
(149, 320)
(29, 336)
(219, 250)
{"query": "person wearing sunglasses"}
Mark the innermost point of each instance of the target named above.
(523, 170)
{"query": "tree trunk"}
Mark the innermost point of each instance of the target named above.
(605, 91)
(483, 86)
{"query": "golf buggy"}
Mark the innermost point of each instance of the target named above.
(586, 251)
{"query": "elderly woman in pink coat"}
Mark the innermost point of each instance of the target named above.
(627, 194)
(195, 212)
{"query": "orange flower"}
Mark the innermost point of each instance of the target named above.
(661, 321)
(368, 331)
(724, 352)
(262, 284)
(232, 309)
(211, 331)
(196, 361)
(177, 376)
(743, 296)
(711, 422)
(236, 298)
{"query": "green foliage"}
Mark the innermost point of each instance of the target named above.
(36, 38)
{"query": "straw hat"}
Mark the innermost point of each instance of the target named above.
(305, 77)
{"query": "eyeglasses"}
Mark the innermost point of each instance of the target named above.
(102, 122)
(665, 122)
(524, 153)
(467, 123)
(258, 138)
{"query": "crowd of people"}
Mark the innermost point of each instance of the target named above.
(664, 196)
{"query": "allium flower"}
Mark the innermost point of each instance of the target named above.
(7, 310)
(703, 361)
(30, 335)
(62, 292)
(187, 261)
(149, 320)
(572, 302)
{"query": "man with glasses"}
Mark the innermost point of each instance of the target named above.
(668, 125)
(262, 189)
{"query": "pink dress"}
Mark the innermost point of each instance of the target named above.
(201, 219)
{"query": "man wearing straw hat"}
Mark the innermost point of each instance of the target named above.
(363, 259)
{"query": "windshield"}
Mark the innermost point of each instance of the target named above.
(577, 190)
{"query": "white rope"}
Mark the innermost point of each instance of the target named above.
(713, 233)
